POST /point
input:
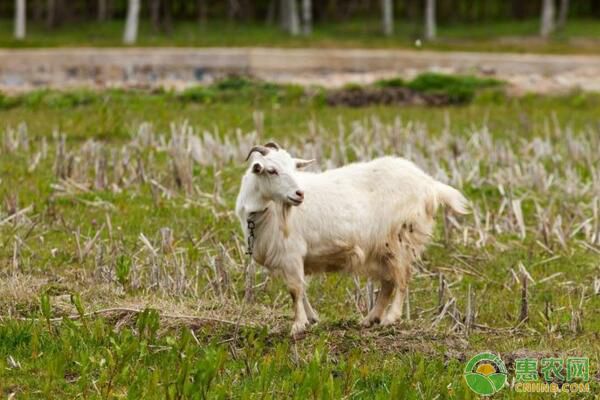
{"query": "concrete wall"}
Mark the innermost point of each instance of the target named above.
(32, 68)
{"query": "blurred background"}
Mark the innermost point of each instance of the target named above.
(263, 38)
(488, 25)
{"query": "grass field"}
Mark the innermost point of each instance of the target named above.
(122, 271)
(578, 36)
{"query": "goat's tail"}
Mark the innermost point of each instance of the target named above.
(452, 198)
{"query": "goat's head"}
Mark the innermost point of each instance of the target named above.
(275, 171)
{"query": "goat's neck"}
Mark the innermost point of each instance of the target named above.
(271, 228)
(271, 221)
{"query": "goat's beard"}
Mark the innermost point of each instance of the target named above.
(285, 212)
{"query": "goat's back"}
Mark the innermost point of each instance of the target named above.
(363, 203)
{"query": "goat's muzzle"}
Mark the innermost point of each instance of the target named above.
(297, 198)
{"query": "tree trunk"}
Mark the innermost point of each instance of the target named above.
(20, 18)
(131, 25)
(38, 11)
(284, 14)
(387, 7)
(201, 8)
(271, 12)
(102, 10)
(430, 28)
(562, 13)
(51, 13)
(293, 18)
(233, 9)
(518, 9)
(547, 23)
(155, 14)
(63, 13)
(167, 14)
(306, 17)
(289, 17)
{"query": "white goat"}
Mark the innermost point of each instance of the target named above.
(372, 218)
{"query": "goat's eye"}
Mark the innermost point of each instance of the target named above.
(272, 171)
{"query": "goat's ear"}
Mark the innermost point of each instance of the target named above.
(257, 167)
(300, 163)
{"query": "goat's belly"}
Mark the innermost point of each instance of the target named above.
(341, 258)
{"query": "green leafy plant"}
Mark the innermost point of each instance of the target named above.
(390, 83)
(123, 270)
(197, 94)
(46, 309)
(458, 88)
(147, 324)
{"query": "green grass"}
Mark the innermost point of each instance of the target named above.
(236, 89)
(579, 36)
(115, 354)
(109, 115)
(488, 30)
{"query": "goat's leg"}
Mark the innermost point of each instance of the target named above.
(383, 298)
(401, 276)
(312, 315)
(395, 310)
(294, 279)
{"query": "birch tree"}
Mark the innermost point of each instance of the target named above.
(289, 17)
(547, 18)
(430, 26)
(306, 17)
(293, 18)
(20, 18)
(563, 12)
(131, 25)
(387, 8)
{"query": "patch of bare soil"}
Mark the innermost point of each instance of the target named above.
(362, 97)
(399, 339)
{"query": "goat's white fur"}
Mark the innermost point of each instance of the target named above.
(371, 218)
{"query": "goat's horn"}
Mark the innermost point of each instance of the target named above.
(261, 149)
(272, 145)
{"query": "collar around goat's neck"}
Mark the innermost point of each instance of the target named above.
(255, 219)
(251, 221)
(255, 216)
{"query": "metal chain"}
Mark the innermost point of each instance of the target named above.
(251, 237)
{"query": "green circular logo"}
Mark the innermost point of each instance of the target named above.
(485, 374)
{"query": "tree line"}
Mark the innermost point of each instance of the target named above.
(294, 16)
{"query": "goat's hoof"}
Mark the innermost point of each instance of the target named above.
(313, 320)
(368, 322)
(299, 328)
(388, 321)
